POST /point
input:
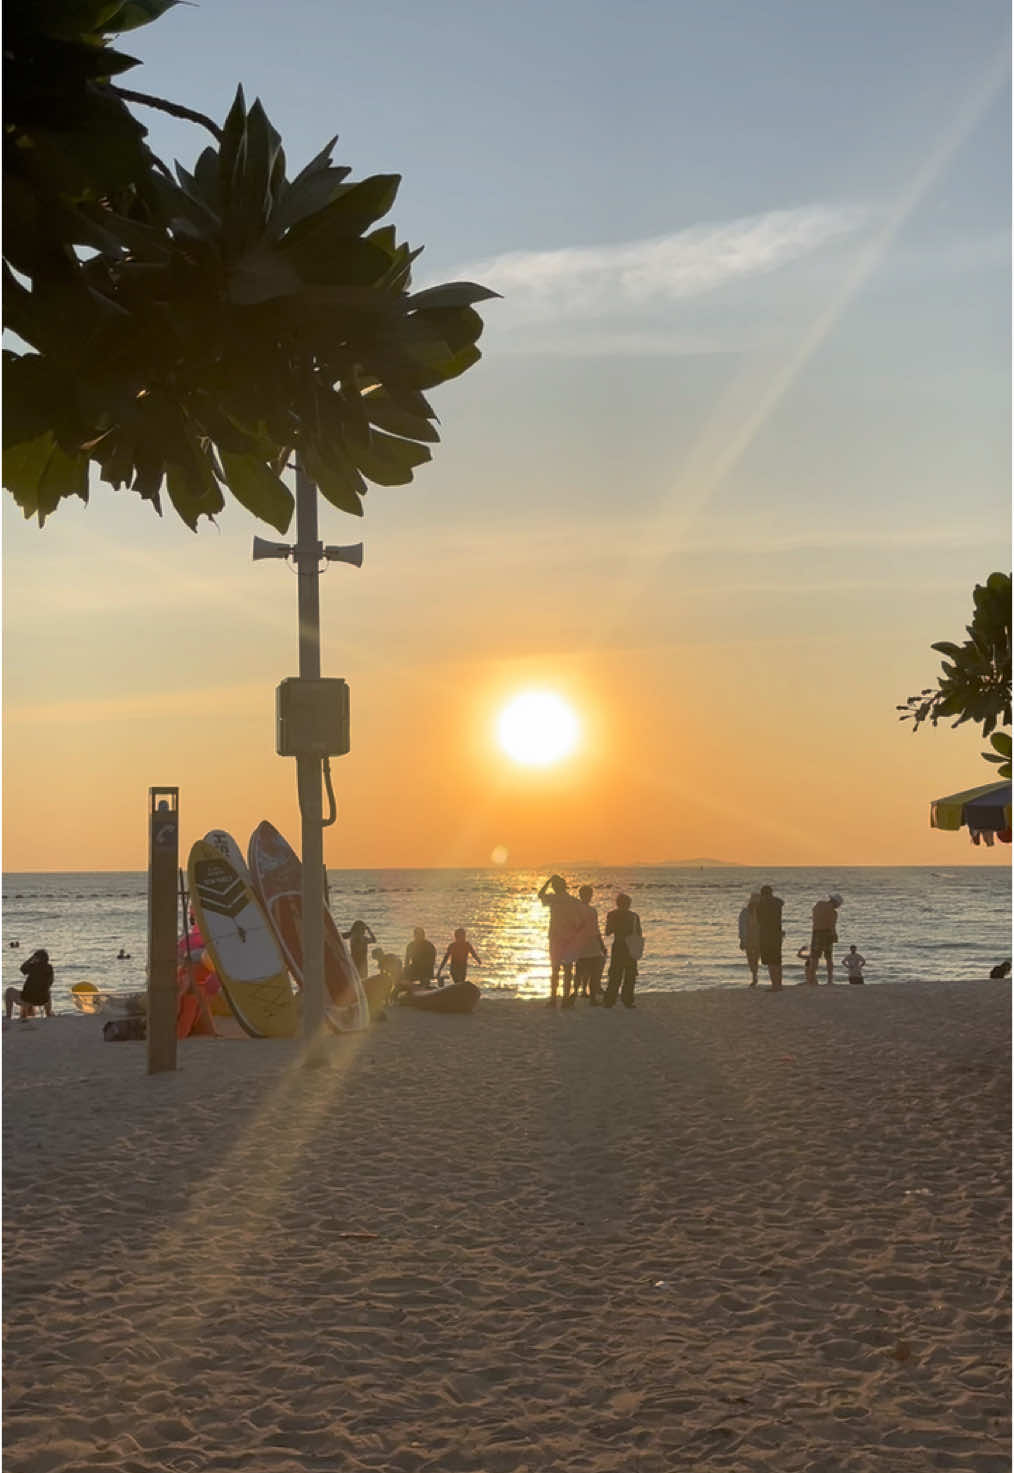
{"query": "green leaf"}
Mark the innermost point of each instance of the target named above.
(384, 412)
(193, 489)
(318, 236)
(451, 294)
(331, 261)
(134, 13)
(233, 130)
(305, 197)
(319, 162)
(335, 476)
(386, 461)
(261, 274)
(258, 489)
(39, 474)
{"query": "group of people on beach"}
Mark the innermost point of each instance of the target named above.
(577, 949)
(419, 968)
(761, 936)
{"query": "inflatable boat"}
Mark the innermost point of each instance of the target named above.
(459, 997)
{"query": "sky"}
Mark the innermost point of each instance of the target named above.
(735, 455)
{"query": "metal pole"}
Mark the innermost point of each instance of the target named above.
(308, 553)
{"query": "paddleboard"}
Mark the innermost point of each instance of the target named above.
(228, 848)
(241, 945)
(278, 880)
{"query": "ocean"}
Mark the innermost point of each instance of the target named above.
(910, 923)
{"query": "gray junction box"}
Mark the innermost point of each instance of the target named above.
(312, 718)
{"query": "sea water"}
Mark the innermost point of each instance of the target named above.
(910, 924)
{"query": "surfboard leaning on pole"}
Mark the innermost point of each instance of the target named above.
(242, 945)
(278, 882)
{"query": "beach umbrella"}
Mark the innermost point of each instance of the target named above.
(984, 811)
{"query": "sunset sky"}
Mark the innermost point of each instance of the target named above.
(736, 453)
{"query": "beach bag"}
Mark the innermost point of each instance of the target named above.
(125, 1030)
(635, 946)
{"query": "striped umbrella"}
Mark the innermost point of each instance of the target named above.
(985, 810)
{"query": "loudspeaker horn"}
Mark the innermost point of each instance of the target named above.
(353, 554)
(262, 549)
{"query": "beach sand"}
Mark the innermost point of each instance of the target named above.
(730, 1230)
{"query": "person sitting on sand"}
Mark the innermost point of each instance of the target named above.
(589, 965)
(1001, 970)
(458, 953)
(769, 921)
(749, 935)
(35, 993)
(360, 938)
(823, 937)
(388, 965)
(853, 964)
(420, 958)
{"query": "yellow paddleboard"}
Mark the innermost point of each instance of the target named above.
(246, 955)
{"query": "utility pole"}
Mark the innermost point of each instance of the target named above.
(308, 765)
(312, 724)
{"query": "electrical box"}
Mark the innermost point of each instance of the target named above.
(312, 718)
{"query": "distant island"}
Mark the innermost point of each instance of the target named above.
(643, 864)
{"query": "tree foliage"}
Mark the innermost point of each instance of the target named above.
(976, 681)
(189, 331)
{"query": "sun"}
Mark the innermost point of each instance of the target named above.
(538, 728)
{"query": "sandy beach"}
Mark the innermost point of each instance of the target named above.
(731, 1231)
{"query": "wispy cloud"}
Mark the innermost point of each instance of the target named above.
(600, 281)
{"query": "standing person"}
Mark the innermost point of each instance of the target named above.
(854, 964)
(823, 937)
(624, 926)
(360, 939)
(420, 958)
(589, 965)
(35, 993)
(749, 935)
(769, 921)
(458, 953)
(566, 923)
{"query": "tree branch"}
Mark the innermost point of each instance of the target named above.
(165, 106)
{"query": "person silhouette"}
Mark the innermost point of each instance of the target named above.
(420, 958)
(567, 921)
(360, 938)
(622, 923)
(457, 954)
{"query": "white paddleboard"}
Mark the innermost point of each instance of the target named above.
(242, 945)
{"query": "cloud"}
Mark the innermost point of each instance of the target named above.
(587, 282)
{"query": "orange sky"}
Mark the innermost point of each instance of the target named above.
(752, 721)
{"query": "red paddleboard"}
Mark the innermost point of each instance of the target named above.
(278, 880)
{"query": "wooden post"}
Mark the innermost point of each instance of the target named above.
(163, 867)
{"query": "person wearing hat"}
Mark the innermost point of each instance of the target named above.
(823, 937)
(749, 935)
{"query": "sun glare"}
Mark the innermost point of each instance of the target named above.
(538, 728)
